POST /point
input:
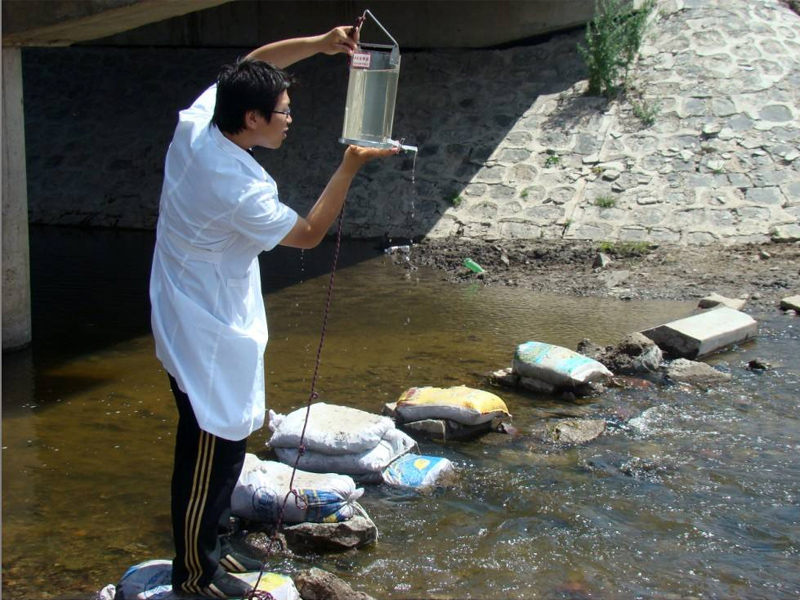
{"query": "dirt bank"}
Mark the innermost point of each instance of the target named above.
(763, 273)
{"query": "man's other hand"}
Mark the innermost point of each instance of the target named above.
(337, 41)
(359, 155)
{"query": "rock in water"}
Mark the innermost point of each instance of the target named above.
(316, 584)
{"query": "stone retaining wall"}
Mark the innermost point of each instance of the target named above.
(510, 147)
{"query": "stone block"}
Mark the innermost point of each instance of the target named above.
(791, 303)
(715, 300)
(703, 334)
(786, 233)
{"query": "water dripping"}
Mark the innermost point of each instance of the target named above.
(413, 179)
(302, 264)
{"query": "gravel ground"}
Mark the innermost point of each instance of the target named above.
(761, 273)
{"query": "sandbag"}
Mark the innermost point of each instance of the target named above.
(461, 404)
(331, 429)
(152, 580)
(263, 485)
(362, 466)
(557, 365)
(417, 471)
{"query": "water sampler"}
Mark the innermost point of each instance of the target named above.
(371, 93)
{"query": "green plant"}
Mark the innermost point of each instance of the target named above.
(605, 201)
(646, 111)
(553, 160)
(456, 201)
(613, 39)
(524, 193)
(625, 249)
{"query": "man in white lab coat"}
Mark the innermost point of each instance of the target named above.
(219, 209)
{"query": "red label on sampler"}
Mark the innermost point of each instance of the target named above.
(361, 60)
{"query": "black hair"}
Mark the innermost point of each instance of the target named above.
(247, 85)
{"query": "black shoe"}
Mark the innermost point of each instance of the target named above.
(222, 586)
(235, 560)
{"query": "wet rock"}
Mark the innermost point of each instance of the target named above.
(593, 388)
(504, 377)
(634, 383)
(759, 364)
(634, 354)
(507, 428)
(695, 373)
(354, 533)
(643, 468)
(316, 584)
(791, 303)
(576, 431)
(715, 300)
(266, 543)
(588, 348)
(537, 386)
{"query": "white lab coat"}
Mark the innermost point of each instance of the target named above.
(219, 209)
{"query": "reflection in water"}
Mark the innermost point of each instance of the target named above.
(696, 496)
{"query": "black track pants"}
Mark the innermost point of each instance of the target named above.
(205, 472)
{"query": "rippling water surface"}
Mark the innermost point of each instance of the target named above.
(692, 494)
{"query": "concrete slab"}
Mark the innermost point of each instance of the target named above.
(703, 334)
(715, 300)
(791, 303)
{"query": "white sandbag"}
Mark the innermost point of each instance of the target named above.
(461, 404)
(263, 485)
(418, 472)
(109, 592)
(363, 466)
(152, 580)
(331, 429)
(557, 365)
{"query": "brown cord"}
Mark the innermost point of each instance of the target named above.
(300, 500)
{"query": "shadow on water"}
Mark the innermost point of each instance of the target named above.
(90, 288)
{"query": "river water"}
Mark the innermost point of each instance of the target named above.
(691, 494)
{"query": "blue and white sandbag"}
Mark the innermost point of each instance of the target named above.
(556, 365)
(152, 580)
(261, 494)
(418, 472)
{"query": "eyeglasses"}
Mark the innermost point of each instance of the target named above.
(287, 112)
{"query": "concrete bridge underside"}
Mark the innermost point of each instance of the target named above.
(48, 23)
(242, 23)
